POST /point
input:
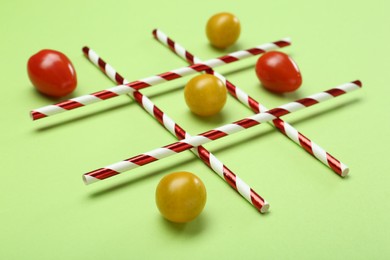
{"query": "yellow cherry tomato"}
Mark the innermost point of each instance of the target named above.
(205, 95)
(223, 30)
(180, 196)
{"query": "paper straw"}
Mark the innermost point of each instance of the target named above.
(285, 128)
(128, 88)
(217, 133)
(209, 159)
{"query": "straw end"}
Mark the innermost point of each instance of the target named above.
(35, 115)
(265, 207)
(154, 32)
(287, 39)
(358, 82)
(85, 50)
(89, 179)
(283, 42)
(344, 172)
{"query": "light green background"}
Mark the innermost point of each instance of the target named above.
(46, 211)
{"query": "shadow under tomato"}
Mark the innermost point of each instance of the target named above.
(235, 47)
(50, 99)
(286, 96)
(191, 229)
(208, 120)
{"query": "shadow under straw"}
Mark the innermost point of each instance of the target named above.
(111, 109)
(163, 92)
(235, 71)
(126, 184)
(143, 177)
(334, 109)
(253, 138)
(79, 118)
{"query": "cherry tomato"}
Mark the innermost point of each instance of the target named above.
(205, 95)
(278, 73)
(223, 30)
(52, 73)
(180, 197)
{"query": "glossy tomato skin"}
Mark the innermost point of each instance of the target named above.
(205, 95)
(223, 30)
(180, 197)
(52, 73)
(278, 73)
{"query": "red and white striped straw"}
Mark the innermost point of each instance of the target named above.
(217, 133)
(312, 148)
(209, 159)
(128, 88)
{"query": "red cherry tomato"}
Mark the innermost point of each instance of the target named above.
(52, 73)
(278, 73)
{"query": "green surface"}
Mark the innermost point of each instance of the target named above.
(47, 212)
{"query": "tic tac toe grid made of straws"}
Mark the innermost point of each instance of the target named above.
(194, 143)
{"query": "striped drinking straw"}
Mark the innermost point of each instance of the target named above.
(209, 159)
(217, 133)
(285, 128)
(128, 88)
